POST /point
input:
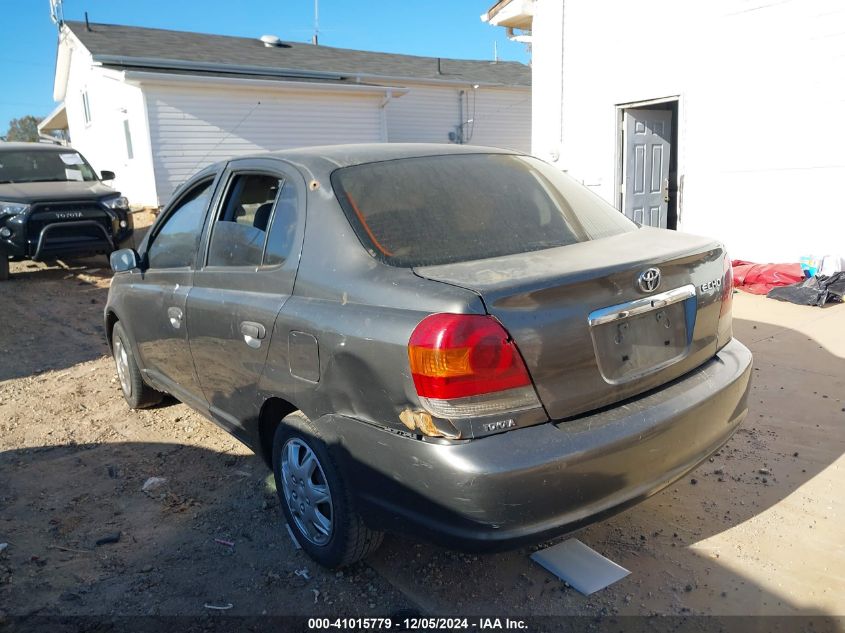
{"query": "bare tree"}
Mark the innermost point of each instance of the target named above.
(23, 129)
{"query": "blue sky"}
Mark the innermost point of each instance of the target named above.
(439, 28)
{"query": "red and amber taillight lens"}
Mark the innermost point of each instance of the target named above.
(466, 365)
(727, 286)
(725, 317)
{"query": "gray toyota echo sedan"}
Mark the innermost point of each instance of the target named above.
(457, 342)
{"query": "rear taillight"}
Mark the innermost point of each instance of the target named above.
(466, 365)
(725, 332)
(727, 286)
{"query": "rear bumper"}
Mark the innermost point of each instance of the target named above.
(541, 481)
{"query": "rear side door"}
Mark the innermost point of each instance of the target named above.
(156, 303)
(252, 247)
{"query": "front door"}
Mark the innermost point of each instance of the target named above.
(251, 258)
(157, 303)
(648, 148)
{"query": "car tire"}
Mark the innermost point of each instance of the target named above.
(4, 266)
(138, 394)
(349, 539)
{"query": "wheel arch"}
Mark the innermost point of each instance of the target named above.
(111, 320)
(273, 411)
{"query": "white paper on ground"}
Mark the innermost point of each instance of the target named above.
(582, 567)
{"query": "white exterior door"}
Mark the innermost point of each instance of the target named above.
(648, 136)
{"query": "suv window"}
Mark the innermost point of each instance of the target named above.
(442, 209)
(238, 235)
(44, 166)
(280, 240)
(175, 245)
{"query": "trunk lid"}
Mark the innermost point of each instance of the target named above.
(589, 334)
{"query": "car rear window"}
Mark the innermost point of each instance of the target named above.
(453, 208)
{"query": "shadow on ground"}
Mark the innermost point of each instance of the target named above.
(85, 539)
(52, 316)
(745, 533)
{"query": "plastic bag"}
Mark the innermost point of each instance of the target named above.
(815, 291)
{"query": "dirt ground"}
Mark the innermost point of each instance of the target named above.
(755, 530)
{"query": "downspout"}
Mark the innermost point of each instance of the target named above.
(388, 97)
(460, 127)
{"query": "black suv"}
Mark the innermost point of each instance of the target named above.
(52, 204)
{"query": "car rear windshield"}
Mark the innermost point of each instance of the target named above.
(44, 166)
(453, 208)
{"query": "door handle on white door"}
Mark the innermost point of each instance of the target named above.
(175, 316)
(253, 333)
(665, 190)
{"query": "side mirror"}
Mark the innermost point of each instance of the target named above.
(123, 260)
(107, 175)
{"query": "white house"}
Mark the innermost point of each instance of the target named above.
(722, 118)
(155, 106)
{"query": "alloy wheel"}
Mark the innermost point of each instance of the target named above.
(306, 491)
(121, 359)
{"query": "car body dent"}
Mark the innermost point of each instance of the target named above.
(350, 318)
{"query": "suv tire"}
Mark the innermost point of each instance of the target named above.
(309, 481)
(138, 394)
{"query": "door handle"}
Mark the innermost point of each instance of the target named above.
(253, 333)
(175, 316)
(665, 190)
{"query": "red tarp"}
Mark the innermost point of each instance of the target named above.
(758, 279)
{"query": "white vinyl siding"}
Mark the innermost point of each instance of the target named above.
(427, 114)
(192, 127)
(502, 118)
(97, 126)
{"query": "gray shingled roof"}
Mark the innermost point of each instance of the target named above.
(126, 46)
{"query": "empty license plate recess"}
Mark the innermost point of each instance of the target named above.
(636, 338)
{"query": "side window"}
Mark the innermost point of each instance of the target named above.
(86, 108)
(238, 235)
(176, 243)
(280, 240)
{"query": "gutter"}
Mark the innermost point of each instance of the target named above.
(147, 77)
(269, 71)
(175, 64)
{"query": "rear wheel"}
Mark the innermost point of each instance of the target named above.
(4, 266)
(317, 502)
(138, 394)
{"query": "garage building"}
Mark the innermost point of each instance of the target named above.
(155, 106)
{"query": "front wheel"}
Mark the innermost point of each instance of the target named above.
(4, 266)
(316, 500)
(137, 393)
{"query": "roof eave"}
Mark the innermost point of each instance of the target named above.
(152, 77)
(515, 14)
(64, 51)
(129, 63)
(56, 120)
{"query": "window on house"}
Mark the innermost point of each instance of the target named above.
(128, 136)
(86, 108)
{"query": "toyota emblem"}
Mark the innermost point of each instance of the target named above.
(649, 280)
